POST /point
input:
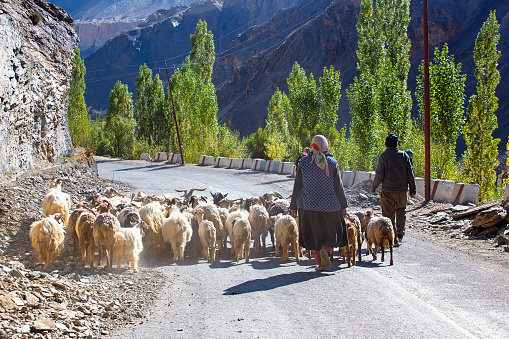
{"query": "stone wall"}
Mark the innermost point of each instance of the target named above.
(37, 42)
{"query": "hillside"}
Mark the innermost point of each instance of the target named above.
(254, 59)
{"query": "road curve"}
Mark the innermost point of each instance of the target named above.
(431, 290)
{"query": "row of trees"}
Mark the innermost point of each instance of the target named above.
(378, 98)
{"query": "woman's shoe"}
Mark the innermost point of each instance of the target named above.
(325, 258)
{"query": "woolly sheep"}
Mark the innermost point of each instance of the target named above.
(287, 232)
(259, 220)
(242, 238)
(380, 232)
(47, 237)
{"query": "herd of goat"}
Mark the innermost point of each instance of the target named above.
(122, 227)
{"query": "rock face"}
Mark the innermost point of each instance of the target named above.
(37, 43)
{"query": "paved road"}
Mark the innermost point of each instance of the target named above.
(431, 291)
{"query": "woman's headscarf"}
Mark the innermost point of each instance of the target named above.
(319, 146)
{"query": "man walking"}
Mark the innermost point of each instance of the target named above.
(395, 172)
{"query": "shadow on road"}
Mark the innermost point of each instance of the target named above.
(271, 283)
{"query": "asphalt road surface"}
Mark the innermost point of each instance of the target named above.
(431, 291)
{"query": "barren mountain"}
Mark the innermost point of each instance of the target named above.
(257, 42)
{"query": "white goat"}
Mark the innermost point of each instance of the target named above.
(128, 245)
(238, 214)
(152, 214)
(207, 233)
(177, 231)
(47, 236)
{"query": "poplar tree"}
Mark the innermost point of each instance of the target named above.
(447, 87)
(78, 119)
(481, 153)
(119, 121)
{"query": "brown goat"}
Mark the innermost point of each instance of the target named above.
(85, 235)
(104, 229)
(379, 232)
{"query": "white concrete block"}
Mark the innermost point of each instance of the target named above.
(161, 156)
(233, 163)
(348, 178)
(465, 193)
(245, 163)
(145, 156)
(419, 186)
(270, 165)
(361, 176)
(174, 158)
(441, 190)
(221, 162)
(206, 160)
(258, 164)
(287, 168)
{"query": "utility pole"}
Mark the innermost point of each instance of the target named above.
(174, 114)
(427, 129)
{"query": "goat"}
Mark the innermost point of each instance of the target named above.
(71, 227)
(271, 196)
(242, 238)
(128, 216)
(56, 201)
(279, 206)
(47, 237)
(231, 220)
(152, 215)
(177, 231)
(212, 214)
(104, 229)
(129, 245)
(259, 219)
(187, 195)
(352, 219)
(207, 233)
(85, 235)
(350, 250)
(287, 232)
(218, 197)
(380, 232)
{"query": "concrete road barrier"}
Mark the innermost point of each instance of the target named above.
(258, 164)
(347, 177)
(465, 193)
(206, 160)
(271, 165)
(145, 157)
(287, 168)
(419, 186)
(174, 158)
(441, 190)
(361, 176)
(221, 162)
(233, 163)
(245, 163)
(161, 156)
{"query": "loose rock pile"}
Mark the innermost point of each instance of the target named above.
(70, 301)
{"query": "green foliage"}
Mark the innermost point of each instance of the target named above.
(229, 143)
(119, 121)
(329, 93)
(481, 153)
(279, 144)
(344, 149)
(255, 144)
(447, 86)
(195, 98)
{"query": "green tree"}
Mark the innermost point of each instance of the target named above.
(481, 153)
(329, 93)
(79, 121)
(447, 87)
(144, 117)
(119, 121)
(278, 136)
(195, 97)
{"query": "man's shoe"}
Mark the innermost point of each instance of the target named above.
(400, 238)
(396, 244)
(325, 258)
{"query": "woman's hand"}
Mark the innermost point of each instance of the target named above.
(293, 213)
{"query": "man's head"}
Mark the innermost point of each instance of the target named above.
(391, 140)
(306, 150)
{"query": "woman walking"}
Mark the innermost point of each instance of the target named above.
(319, 201)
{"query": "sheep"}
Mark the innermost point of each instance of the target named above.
(85, 235)
(152, 215)
(230, 221)
(271, 196)
(352, 219)
(350, 250)
(287, 232)
(279, 206)
(129, 245)
(47, 237)
(104, 229)
(207, 233)
(259, 219)
(380, 232)
(242, 238)
(177, 231)
(56, 201)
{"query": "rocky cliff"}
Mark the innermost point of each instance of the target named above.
(37, 43)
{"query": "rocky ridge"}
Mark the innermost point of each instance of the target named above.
(36, 61)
